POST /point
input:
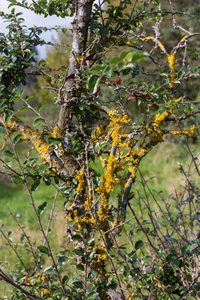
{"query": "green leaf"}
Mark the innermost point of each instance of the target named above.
(50, 271)
(89, 241)
(54, 141)
(27, 98)
(40, 107)
(115, 60)
(136, 56)
(92, 274)
(17, 179)
(90, 255)
(23, 108)
(43, 249)
(15, 98)
(76, 237)
(35, 185)
(155, 2)
(31, 54)
(42, 207)
(8, 116)
(138, 244)
(41, 63)
(8, 153)
(104, 31)
(92, 295)
(65, 279)
(80, 267)
(181, 74)
(78, 252)
(21, 93)
(38, 121)
(93, 83)
(17, 138)
(33, 279)
(113, 252)
(109, 70)
(61, 260)
(78, 284)
(70, 222)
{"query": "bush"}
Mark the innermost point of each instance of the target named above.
(91, 157)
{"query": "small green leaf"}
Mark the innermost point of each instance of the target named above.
(113, 252)
(50, 271)
(27, 98)
(15, 98)
(92, 295)
(33, 279)
(108, 70)
(92, 274)
(89, 241)
(76, 237)
(65, 279)
(17, 179)
(21, 93)
(93, 83)
(43, 249)
(38, 121)
(17, 138)
(61, 260)
(104, 31)
(42, 207)
(78, 284)
(90, 255)
(8, 153)
(80, 267)
(35, 185)
(181, 74)
(8, 116)
(24, 108)
(40, 107)
(78, 252)
(70, 222)
(136, 56)
(54, 141)
(138, 245)
(41, 63)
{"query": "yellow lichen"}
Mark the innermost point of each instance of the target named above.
(57, 132)
(190, 132)
(171, 61)
(81, 181)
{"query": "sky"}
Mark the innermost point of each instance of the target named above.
(33, 19)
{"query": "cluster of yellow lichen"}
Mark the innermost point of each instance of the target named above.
(107, 186)
(156, 134)
(81, 181)
(134, 158)
(111, 165)
(190, 132)
(56, 132)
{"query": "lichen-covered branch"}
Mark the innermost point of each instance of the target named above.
(45, 150)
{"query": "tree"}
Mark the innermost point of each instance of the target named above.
(93, 130)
